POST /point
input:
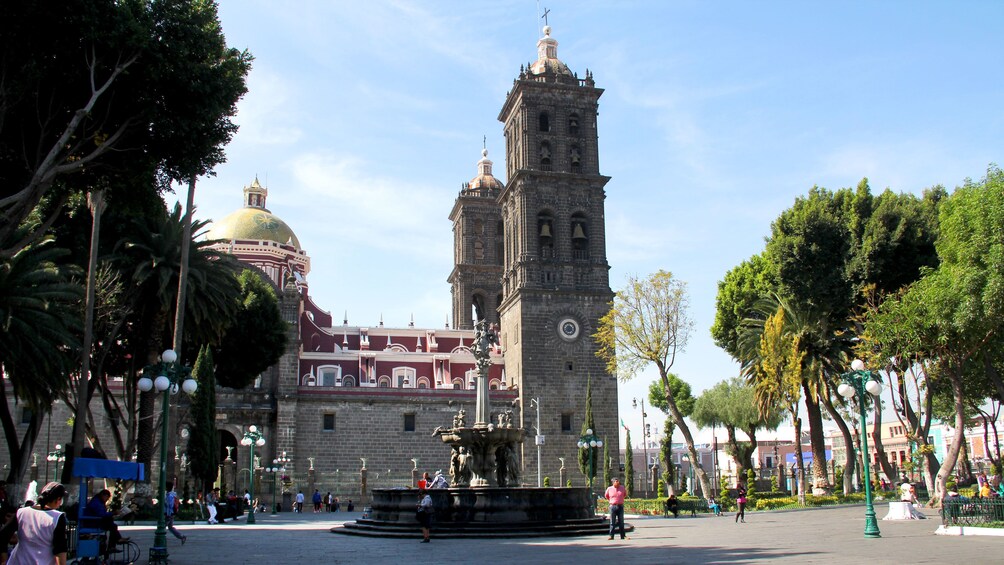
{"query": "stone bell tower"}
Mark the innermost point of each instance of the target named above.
(555, 285)
(477, 249)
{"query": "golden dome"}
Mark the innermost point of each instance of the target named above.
(253, 223)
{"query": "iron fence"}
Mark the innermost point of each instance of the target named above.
(963, 511)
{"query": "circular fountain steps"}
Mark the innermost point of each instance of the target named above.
(482, 513)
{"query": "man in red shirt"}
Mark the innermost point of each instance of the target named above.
(615, 494)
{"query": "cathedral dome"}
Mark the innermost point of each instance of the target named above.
(547, 57)
(254, 221)
(485, 180)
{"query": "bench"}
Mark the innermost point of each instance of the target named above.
(691, 505)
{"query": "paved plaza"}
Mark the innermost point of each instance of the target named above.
(825, 535)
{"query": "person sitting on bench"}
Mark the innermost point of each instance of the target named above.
(672, 505)
(714, 506)
(102, 518)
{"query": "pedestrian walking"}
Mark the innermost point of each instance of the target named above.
(741, 502)
(316, 500)
(212, 497)
(299, 502)
(615, 494)
(171, 506)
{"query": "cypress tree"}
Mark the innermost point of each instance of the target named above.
(203, 443)
(628, 466)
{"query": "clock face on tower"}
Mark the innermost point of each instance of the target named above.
(568, 329)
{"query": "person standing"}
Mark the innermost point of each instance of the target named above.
(741, 502)
(170, 507)
(615, 494)
(41, 530)
(424, 513)
(299, 502)
(212, 497)
(316, 499)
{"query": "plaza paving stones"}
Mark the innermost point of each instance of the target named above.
(824, 535)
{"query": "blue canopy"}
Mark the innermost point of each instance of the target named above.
(105, 468)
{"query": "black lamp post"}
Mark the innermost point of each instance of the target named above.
(858, 381)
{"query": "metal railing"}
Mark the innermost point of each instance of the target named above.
(987, 512)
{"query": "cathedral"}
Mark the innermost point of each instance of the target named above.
(529, 257)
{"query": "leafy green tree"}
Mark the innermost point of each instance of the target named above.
(152, 261)
(738, 294)
(96, 91)
(39, 339)
(732, 404)
(666, 456)
(257, 337)
(649, 323)
(628, 466)
(203, 442)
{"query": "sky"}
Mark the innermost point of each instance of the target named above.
(364, 119)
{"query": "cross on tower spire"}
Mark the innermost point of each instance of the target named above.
(546, 12)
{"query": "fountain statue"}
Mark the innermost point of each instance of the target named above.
(484, 454)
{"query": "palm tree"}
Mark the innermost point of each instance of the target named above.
(40, 321)
(151, 258)
(823, 349)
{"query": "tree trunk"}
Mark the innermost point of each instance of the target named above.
(879, 449)
(798, 458)
(820, 481)
(688, 438)
(738, 456)
(945, 470)
(846, 432)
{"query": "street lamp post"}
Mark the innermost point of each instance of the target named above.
(538, 438)
(274, 470)
(251, 438)
(56, 456)
(858, 381)
(166, 376)
(645, 433)
(591, 442)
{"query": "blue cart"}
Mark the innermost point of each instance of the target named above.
(90, 542)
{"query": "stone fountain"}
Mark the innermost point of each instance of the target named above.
(485, 498)
(485, 454)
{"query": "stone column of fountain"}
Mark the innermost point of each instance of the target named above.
(484, 455)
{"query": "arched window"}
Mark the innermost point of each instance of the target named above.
(545, 234)
(580, 237)
(479, 226)
(545, 155)
(544, 122)
(493, 384)
(499, 241)
(348, 380)
(479, 250)
(384, 382)
(423, 382)
(458, 383)
(575, 159)
(573, 124)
